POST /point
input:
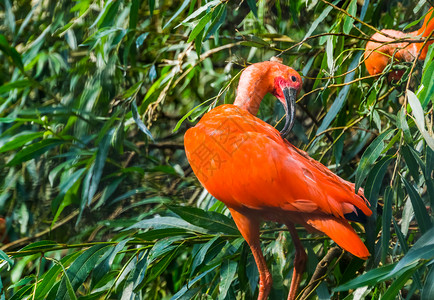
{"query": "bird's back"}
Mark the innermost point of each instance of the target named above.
(243, 161)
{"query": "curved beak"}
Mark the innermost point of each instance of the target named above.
(290, 95)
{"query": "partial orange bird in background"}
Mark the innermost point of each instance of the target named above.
(378, 56)
(248, 165)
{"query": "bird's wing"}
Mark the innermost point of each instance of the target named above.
(256, 170)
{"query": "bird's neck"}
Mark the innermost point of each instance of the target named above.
(253, 86)
(425, 31)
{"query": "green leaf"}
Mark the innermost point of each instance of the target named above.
(103, 267)
(422, 216)
(134, 13)
(20, 140)
(317, 21)
(370, 156)
(342, 96)
(49, 278)
(201, 10)
(100, 160)
(156, 234)
(151, 6)
(138, 121)
(397, 285)
(213, 221)
(423, 250)
(386, 222)
(428, 288)
(348, 22)
(34, 150)
(189, 284)
(11, 52)
(5, 257)
(200, 26)
(329, 53)
(107, 14)
(166, 222)
(80, 269)
(227, 276)
(200, 255)
(15, 85)
(180, 10)
(411, 162)
(419, 116)
(369, 278)
(403, 125)
(253, 8)
(188, 114)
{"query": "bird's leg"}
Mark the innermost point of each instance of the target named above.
(249, 228)
(299, 262)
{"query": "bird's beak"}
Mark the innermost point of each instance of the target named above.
(290, 95)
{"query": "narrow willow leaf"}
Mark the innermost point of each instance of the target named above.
(400, 236)
(348, 22)
(217, 22)
(201, 10)
(11, 53)
(65, 186)
(180, 10)
(253, 8)
(227, 276)
(5, 257)
(317, 21)
(428, 288)
(422, 216)
(200, 26)
(371, 277)
(34, 150)
(188, 114)
(329, 53)
(419, 116)
(210, 220)
(370, 156)
(342, 96)
(397, 285)
(189, 284)
(134, 13)
(166, 222)
(20, 140)
(411, 162)
(50, 277)
(100, 159)
(138, 121)
(151, 6)
(403, 125)
(386, 222)
(107, 260)
(19, 84)
(423, 249)
(80, 269)
(200, 255)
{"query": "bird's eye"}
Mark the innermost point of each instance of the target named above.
(294, 79)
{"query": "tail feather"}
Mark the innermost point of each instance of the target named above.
(342, 233)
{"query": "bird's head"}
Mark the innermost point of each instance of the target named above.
(287, 85)
(269, 77)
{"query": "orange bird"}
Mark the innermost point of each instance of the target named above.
(248, 165)
(378, 55)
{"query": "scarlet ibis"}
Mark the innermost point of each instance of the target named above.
(248, 165)
(378, 55)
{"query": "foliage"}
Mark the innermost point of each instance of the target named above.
(95, 97)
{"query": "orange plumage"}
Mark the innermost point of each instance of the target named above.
(245, 163)
(378, 56)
